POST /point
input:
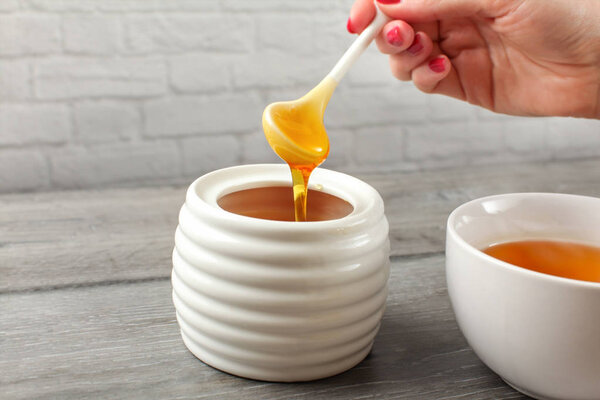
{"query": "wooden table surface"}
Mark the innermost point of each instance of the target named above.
(86, 311)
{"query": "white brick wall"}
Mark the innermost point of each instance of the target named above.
(32, 124)
(91, 34)
(126, 92)
(14, 80)
(106, 121)
(24, 35)
(80, 78)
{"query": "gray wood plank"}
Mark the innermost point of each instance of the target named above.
(79, 237)
(121, 341)
(84, 237)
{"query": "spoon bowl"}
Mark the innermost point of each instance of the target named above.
(295, 130)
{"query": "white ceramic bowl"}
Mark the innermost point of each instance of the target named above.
(273, 300)
(540, 333)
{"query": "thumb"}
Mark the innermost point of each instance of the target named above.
(361, 15)
(432, 10)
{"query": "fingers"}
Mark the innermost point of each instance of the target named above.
(433, 10)
(403, 63)
(436, 75)
(361, 15)
(414, 56)
(395, 37)
(430, 71)
(428, 75)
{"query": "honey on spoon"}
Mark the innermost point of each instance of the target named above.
(295, 130)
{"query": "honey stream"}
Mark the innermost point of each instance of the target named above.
(295, 131)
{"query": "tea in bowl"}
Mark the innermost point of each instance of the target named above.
(539, 331)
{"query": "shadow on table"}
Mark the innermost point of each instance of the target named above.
(414, 356)
(419, 353)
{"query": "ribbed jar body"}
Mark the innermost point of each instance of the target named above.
(273, 300)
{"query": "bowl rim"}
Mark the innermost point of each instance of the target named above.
(452, 234)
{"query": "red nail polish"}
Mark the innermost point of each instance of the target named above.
(388, 1)
(416, 45)
(394, 37)
(438, 64)
(349, 26)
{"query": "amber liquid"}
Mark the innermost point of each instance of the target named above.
(300, 176)
(277, 203)
(565, 259)
(306, 145)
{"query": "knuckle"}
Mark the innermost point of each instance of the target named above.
(398, 70)
(425, 87)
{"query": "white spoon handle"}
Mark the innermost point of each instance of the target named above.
(359, 46)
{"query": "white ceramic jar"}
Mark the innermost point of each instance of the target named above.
(274, 300)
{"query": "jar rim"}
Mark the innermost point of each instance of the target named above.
(203, 195)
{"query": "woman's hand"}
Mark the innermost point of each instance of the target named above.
(520, 57)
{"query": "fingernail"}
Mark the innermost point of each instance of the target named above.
(349, 26)
(394, 37)
(438, 64)
(388, 1)
(416, 45)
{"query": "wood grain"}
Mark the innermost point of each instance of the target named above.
(81, 237)
(85, 237)
(121, 341)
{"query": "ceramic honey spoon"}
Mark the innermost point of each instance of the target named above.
(295, 130)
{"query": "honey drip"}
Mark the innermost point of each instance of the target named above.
(295, 131)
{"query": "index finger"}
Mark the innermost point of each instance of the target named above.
(361, 15)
